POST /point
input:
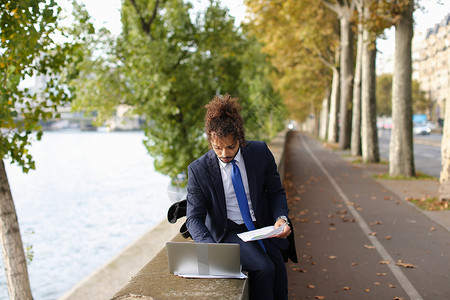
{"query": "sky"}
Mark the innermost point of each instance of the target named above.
(107, 13)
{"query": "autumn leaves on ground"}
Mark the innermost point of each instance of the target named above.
(337, 260)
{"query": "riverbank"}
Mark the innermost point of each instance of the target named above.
(109, 278)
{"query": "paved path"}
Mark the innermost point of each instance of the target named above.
(356, 238)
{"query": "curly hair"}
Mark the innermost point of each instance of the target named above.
(223, 119)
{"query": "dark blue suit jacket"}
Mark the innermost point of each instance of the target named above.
(206, 206)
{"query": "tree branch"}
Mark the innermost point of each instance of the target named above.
(146, 24)
(333, 6)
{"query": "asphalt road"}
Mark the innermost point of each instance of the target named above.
(355, 239)
(427, 152)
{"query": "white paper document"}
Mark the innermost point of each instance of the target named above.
(262, 233)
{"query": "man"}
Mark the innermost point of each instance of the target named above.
(215, 211)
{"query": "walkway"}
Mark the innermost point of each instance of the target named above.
(357, 238)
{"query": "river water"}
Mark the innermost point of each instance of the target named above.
(91, 195)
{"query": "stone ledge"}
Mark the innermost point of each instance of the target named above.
(155, 281)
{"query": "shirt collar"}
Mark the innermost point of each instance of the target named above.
(237, 158)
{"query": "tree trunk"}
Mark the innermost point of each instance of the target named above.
(334, 103)
(356, 115)
(444, 189)
(401, 155)
(13, 254)
(346, 65)
(369, 134)
(324, 116)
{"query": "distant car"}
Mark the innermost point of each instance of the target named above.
(421, 129)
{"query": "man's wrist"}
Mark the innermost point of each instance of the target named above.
(283, 218)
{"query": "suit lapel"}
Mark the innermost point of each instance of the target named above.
(251, 174)
(216, 178)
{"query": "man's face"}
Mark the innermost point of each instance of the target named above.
(225, 148)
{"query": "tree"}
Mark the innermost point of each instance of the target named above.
(166, 67)
(333, 122)
(444, 188)
(344, 11)
(401, 155)
(384, 94)
(27, 50)
(301, 38)
(370, 152)
(355, 146)
(421, 103)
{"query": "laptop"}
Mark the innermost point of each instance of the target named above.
(204, 260)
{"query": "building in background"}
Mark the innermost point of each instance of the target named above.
(431, 66)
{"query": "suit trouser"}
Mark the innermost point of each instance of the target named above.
(267, 271)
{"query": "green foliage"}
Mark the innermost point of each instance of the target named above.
(27, 50)
(301, 38)
(420, 101)
(167, 68)
(384, 94)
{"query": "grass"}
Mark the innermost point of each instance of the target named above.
(430, 204)
(360, 161)
(419, 176)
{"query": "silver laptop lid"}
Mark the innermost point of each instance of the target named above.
(203, 258)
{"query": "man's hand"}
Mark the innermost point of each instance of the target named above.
(286, 231)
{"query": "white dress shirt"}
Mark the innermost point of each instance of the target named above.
(233, 211)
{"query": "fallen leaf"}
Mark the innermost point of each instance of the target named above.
(369, 247)
(332, 257)
(398, 298)
(332, 228)
(299, 270)
(317, 222)
(311, 286)
(432, 229)
(392, 286)
(404, 265)
(373, 233)
(354, 264)
(376, 223)
(346, 288)
(387, 198)
(308, 244)
(367, 290)
(376, 283)
(384, 262)
(330, 216)
(320, 297)
(381, 274)
(332, 224)
(388, 237)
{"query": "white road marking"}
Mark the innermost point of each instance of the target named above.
(401, 277)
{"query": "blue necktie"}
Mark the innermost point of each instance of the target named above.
(242, 198)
